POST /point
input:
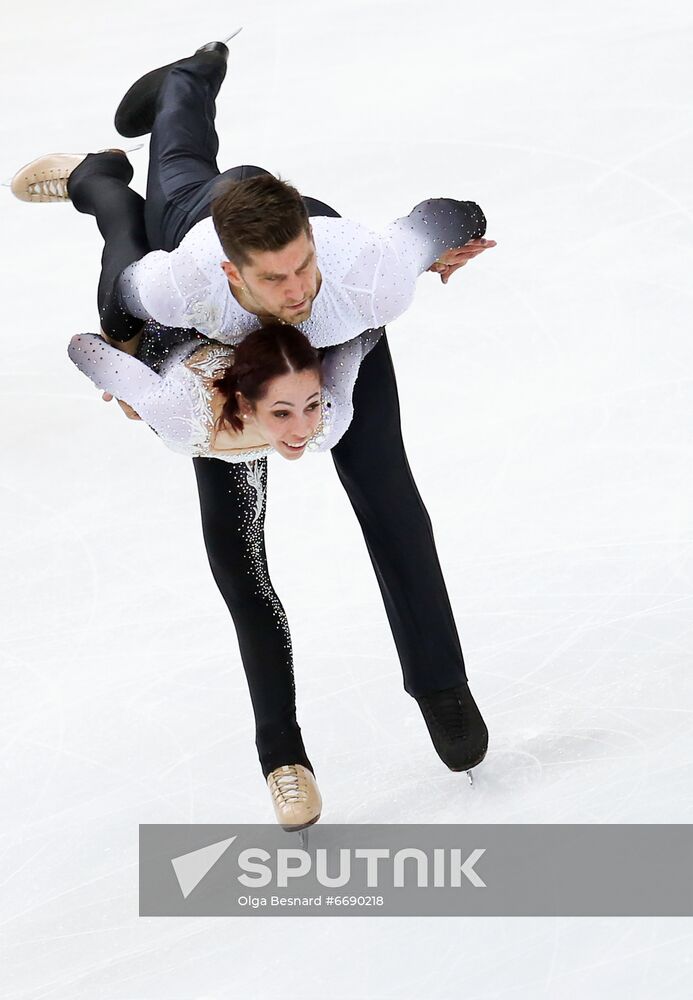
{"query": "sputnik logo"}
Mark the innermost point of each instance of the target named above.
(294, 863)
(191, 868)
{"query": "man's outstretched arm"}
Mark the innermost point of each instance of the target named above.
(438, 235)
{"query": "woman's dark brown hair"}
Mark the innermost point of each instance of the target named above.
(273, 350)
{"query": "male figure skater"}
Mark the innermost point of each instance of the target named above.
(259, 258)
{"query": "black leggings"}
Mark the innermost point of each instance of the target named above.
(370, 459)
(233, 501)
(99, 187)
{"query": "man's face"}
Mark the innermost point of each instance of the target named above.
(280, 283)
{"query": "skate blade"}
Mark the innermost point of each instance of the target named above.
(128, 149)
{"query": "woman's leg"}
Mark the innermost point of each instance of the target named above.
(232, 502)
(99, 187)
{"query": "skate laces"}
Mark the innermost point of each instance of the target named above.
(446, 711)
(50, 187)
(288, 785)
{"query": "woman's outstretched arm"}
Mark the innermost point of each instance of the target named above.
(163, 403)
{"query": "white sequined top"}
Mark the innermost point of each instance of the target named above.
(176, 401)
(368, 278)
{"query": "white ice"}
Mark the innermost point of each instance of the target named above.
(547, 411)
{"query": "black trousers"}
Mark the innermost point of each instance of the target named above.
(370, 459)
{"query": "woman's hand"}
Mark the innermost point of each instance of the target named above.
(130, 347)
(125, 407)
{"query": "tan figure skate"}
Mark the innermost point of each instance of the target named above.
(295, 796)
(45, 179)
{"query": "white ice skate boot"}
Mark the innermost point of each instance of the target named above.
(295, 796)
(45, 179)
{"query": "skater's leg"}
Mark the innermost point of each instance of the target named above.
(99, 187)
(183, 148)
(183, 173)
(183, 170)
(372, 465)
(373, 468)
(232, 502)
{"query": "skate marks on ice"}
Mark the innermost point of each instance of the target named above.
(538, 776)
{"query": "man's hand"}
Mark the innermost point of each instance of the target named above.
(127, 410)
(451, 260)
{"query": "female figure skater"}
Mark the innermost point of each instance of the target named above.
(215, 401)
(238, 404)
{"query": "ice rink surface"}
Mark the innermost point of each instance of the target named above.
(547, 410)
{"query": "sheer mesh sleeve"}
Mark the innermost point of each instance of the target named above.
(163, 403)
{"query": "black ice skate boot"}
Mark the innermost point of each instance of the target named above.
(455, 724)
(137, 110)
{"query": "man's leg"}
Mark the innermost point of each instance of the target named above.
(232, 500)
(183, 171)
(372, 465)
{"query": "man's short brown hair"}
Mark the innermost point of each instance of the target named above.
(260, 213)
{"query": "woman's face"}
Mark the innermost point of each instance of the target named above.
(289, 412)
